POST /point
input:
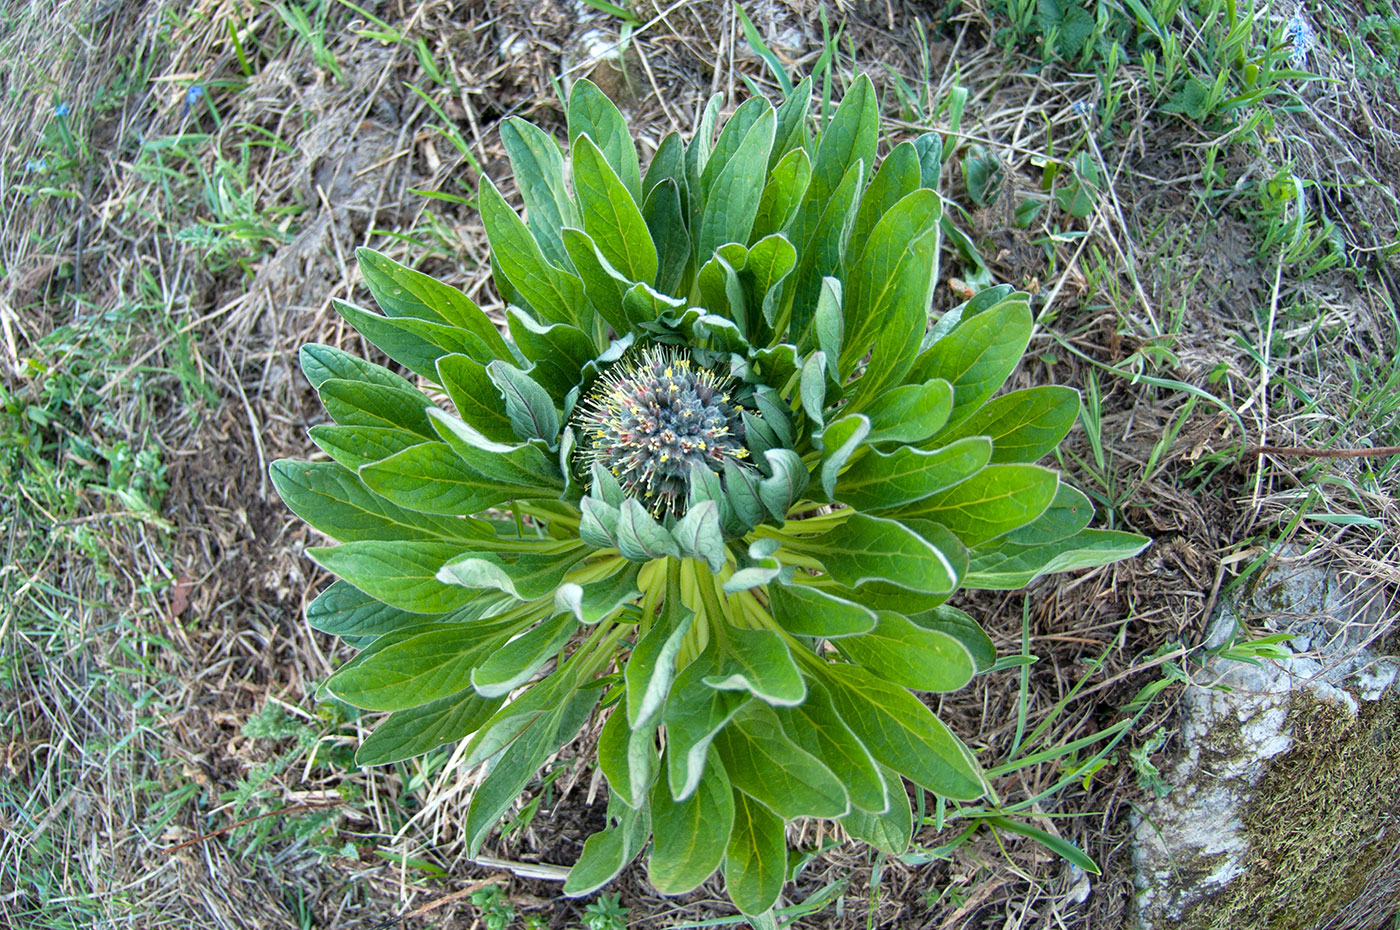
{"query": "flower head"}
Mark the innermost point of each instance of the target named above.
(653, 417)
(60, 109)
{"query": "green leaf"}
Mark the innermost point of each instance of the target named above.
(597, 525)
(321, 363)
(514, 663)
(1023, 425)
(997, 499)
(611, 216)
(851, 136)
(592, 113)
(903, 734)
(668, 164)
(1067, 514)
(812, 388)
(964, 629)
(889, 832)
(607, 852)
(603, 284)
(792, 122)
(1057, 845)
(355, 403)
(332, 499)
(789, 478)
(818, 729)
(415, 344)
(782, 194)
(415, 730)
(433, 478)
(527, 711)
(693, 715)
(741, 488)
(1006, 566)
(910, 655)
(840, 440)
(475, 396)
(755, 859)
(420, 669)
(866, 548)
(698, 534)
(820, 250)
(400, 573)
(758, 662)
(830, 327)
(898, 177)
(344, 610)
(690, 836)
(627, 758)
(525, 577)
(640, 537)
(652, 666)
(559, 351)
(513, 464)
(531, 411)
(553, 293)
(884, 482)
(806, 611)
(402, 292)
(766, 765)
(598, 600)
(977, 357)
(911, 412)
(353, 446)
(888, 291)
(666, 224)
(538, 166)
(731, 196)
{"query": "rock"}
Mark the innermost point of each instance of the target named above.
(1287, 778)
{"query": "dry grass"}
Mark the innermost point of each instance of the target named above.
(138, 646)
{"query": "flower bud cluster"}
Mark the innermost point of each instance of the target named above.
(653, 417)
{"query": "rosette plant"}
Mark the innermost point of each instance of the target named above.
(707, 494)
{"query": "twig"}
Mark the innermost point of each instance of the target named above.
(295, 808)
(1303, 452)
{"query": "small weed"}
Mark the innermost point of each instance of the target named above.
(497, 913)
(606, 913)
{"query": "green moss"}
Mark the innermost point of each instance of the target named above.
(1315, 822)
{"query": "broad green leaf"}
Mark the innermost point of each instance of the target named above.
(553, 293)
(640, 537)
(1024, 425)
(525, 577)
(344, 610)
(1070, 512)
(784, 486)
(611, 215)
(690, 835)
(333, 500)
(1056, 844)
(806, 611)
(668, 164)
(642, 304)
(889, 832)
(819, 251)
(898, 177)
(476, 397)
(596, 600)
(770, 261)
(829, 326)
(607, 852)
(603, 284)
(866, 548)
(741, 488)
(755, 859)
(400, 573)
(731, 140)
(415, 344)
(731, 197)
(818, 729)
(903, 734)
(559, 351)
(964, 629)
(514, 663)
(597, 524)
(879, 481)
(627, 758)
(518, 764)
(415, 730)
(911, 412)
(652, 666)
(766, 765)
(888, 290)
(512, 464)
(1006, 567)
(403, 292)
(840, 440)
(531, 410)
(910, 655)
(996, 500)
(792, 122)
(431, 477)
(420, 669)
(977, 357)
(666, 224)
(698, 535)
(694, 714)
(353, 446)
(812, 388)
(355, 403)
(851, 136)
(758, 662)
(538, 166)
(528, 710)
(592, 113)
(782, 194)
(321, 363)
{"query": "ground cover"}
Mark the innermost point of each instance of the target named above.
(1199, 199)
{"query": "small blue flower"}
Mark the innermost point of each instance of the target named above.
(35, 164)
(1303, 38)
(60, 109)
(1083, 108)
(191, 98)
